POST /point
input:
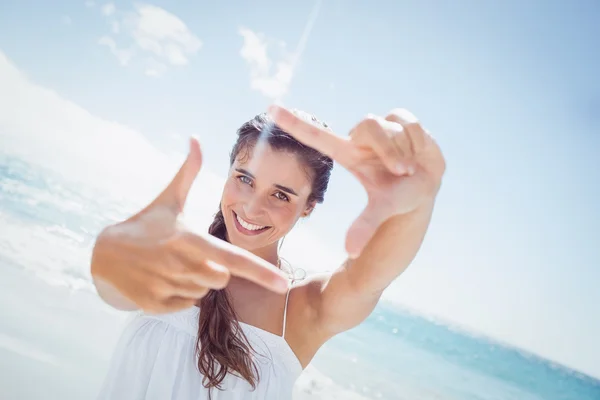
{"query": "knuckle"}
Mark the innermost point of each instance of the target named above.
(369, 128)
(416, 130)
(370, 122)
(403, 116)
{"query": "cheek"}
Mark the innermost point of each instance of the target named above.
(232, 193)
(285, 215)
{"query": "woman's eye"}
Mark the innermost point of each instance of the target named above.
(282, 196)
(245, 179)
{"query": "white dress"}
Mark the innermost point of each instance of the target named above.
(155, 359)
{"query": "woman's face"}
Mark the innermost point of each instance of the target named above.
(264, 196)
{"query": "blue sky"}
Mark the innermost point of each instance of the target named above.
(508, 89)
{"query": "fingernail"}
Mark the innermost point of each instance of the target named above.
(400, 168)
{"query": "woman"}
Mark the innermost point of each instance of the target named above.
(253, 333)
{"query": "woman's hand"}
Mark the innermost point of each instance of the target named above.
(159, 265)
(394, 158)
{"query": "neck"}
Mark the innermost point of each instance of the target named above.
(268, 253)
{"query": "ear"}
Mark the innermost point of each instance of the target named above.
(309, 209)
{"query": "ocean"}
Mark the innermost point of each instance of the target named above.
(56, 335)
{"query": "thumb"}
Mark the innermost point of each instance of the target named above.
(363, 228)
(175, 194)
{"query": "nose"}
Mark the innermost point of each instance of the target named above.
(254, 208)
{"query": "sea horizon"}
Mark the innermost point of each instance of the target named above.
(478, 334)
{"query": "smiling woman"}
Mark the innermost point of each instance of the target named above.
(218, 318)
(273, 181)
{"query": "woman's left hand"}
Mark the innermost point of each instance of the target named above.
(397, 161)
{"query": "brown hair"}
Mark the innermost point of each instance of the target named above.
(221, 346)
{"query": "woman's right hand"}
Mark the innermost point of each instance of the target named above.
(152, 260)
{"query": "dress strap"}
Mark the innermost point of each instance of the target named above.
(287, 296)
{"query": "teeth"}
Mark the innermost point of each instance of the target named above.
(248, 226)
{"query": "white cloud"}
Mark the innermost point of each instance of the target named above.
(123, 55)
(164, 34)
(108, 9)
(90, 3)
(150, 30)
(271, 81)
(155, 68)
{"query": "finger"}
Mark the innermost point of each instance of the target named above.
(336, 147)
(414, 131)
(190, 290)
(385, 139)
(363, 228)
(175, 194)
(238, 261)
(402, 142)
(203, 273)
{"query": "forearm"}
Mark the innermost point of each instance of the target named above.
(390, 251)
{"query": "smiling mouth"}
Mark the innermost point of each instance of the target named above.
(247, 228)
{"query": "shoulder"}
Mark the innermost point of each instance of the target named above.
(305, 297)
(305, 334)
(310, 288)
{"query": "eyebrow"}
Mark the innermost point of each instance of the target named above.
(280, 187)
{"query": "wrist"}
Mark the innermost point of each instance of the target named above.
(423, 208)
